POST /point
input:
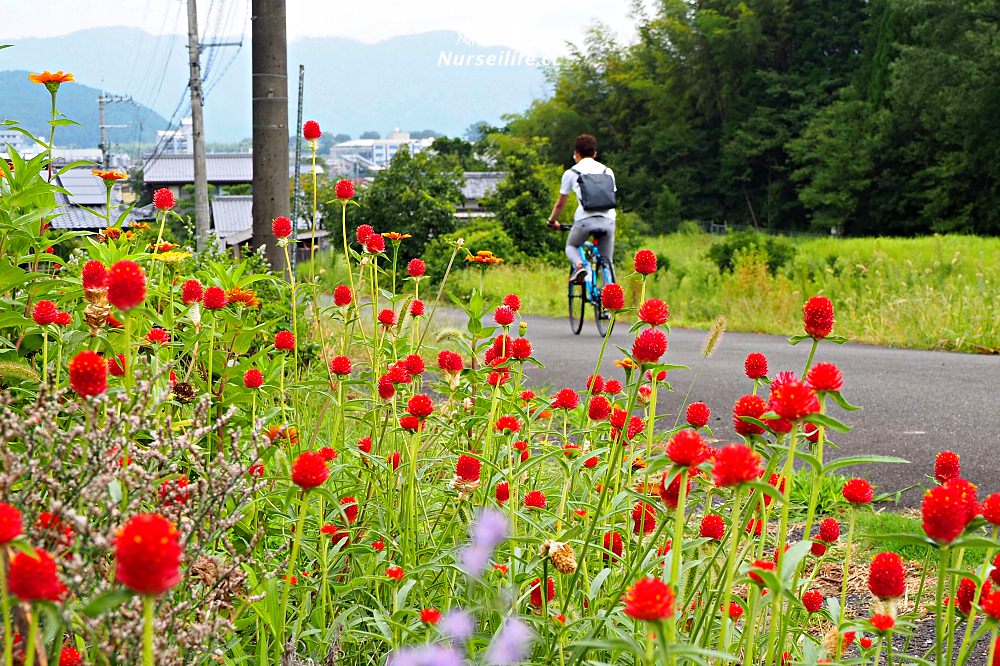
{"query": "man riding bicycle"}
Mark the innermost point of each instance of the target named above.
(595, 188)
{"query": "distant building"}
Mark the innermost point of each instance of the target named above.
(232, 218)
(85, 191)
(178, 141)
(176, 171)
(379, 152)
(477, 186)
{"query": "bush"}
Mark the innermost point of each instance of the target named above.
(484, 235)
(778, 250)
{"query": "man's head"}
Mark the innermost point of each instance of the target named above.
(585, 146)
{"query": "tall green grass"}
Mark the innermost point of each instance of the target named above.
(936, 292)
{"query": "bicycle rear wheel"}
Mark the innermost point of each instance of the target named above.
(604, 274)
(577, 306)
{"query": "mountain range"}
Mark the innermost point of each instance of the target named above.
(432, 80)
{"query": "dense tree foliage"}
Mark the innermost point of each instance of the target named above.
(873, 116)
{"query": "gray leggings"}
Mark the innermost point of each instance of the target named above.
(582, 230)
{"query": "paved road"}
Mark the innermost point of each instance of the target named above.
(915, 403)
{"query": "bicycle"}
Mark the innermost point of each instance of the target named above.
(601, 273)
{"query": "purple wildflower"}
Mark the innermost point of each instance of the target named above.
(427, 655)
(488, 532)
(457, 625)
(511, 644)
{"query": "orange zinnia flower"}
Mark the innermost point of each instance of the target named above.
(626, 363)
(395, 236)
(47, 77)
(162, 247)
(484, 257)
(139, 226)
(111, 233)
(244, 297)
(110, 176)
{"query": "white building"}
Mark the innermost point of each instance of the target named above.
(178, 141)
(379, 152)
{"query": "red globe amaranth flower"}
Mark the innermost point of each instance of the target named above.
(468, 468)
(126, 285)
(328, 453)
(374, 244)
(886, 579)
(284, 340)
(349, 505)
(63, 319)
(513, 301)
(882, 622)
(33, 577)
(309, 470)
(566, 398)
(363, 232)
(535, 499)
(643, 518)
(735, 611)
(670, 493)
(817, 316)
(502, 492)
(965, 594)
(88, 374)
(148, 554)
(311, 131)
(10, 523)
(387, 318)
(649, 345)
(793, 400)
(157, 336)
(825, 377)
(536, 591)
(507, 424)
(393, 459)
(253, 378)
(595, 384)
(947, 466)
(94, 276)
(650, 600)
(697, 415)
(654, 312)
(365, 444)
(755, 365)
(339, 537)
(812, 600)
(70, 656)
(612, 297)
(754, 526)
(430, 615)
(947, 509)
(520, 348)
(420, 406)
(612, 541)
(599, 408)
(645, 262)
(345, 190)
(116, 365)
(175, 491)
(340, 365)
(858, 491)
(44, 313)
(395, 573)
(752, 406)
(829, 530)
(687, 448)
(416, 308)
(416, 268)
(342, 295)
(163, 199)
(192, 292)
(735, 464)
(991, 509)
(414, 364)
(385, 388)
(758, 566)
(503, 316)
(281, 227)
(612, 387)
(712, 527)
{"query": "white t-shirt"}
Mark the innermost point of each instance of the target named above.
(569, 177)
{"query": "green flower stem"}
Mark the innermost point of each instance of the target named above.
(776, 615)
(678, 542)
(878, 648)
(45, 355)
(347, 254)
(411, 496)
(649, 429)
(29, 658)
(129, 369)
(312, 241)
(735, 529)
(939, 628)
(970, 621)
(949, 626)
(148, 604)
(8, 635)
(287, 589)
(295, 307)
(812, 353)
(211, 356)
(847, 565)
(52, 128)
(437, 299)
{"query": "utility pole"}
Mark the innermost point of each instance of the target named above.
(269, 60)
(105, 145)
(298, 168)
(201, 219)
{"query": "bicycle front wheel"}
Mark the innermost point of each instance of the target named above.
(603, 275)
(577, 306)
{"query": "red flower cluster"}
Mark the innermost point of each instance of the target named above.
(416, 268)
(507, 424)
(817, 317)
(157, 336)
(420, 406)
(947, 466)
(214, 298)
(947, 509)
(650, 600)
(10, 523)
(712, 527)
(33, 577)
(342, 295)
(649, 345)
(599, 408)
(812, 600)
(503, 316)
(643, 518)
(735, 464)
(612, 542)
(44, 313)
(148, 554)
(284, 340)
(697, 415)
(88, 374)
(748, 405)
(536, 591)
(126, 285)
(513, 301)
(882, 622)
(281, 227)
(612, 297)
(755, 365)
(344, 189)
(535, 499)
(468, 468)
(991, 509)
(566, 398)
(858, 491)
(192, 292)
(309, 470)
(430, 615)
(645, 262)
(687, 448)
(94, 276)
(387, 318)
(759, 566)
(886, 579)
(311, 131)
(163, 199)
(253, 378)
(654, 312)
(416, 308)
(825, 377)
(793, 400)
(520, 348)
(502, 492)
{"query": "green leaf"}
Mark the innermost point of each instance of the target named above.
(102, 603)
(829, 422)
(598, 582)
(796, 339)
(793, 556)
(767, 489)
(974, 541)
(901, 537)
(840, 400)
(62, 122)
(860, 460)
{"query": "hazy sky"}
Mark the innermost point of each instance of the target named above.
(537, 27)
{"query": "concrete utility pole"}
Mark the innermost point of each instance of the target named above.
(105, 145)
(201, 219)
(270, 124)
(298, 166)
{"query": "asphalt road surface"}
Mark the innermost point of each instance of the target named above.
(914, 403)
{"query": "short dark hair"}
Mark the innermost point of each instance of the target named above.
(586, 145)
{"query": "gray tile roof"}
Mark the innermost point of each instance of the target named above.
(86, 190)
(480, 183)
(179, 169)
(232, 218)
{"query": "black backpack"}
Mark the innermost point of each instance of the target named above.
(597, 190)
